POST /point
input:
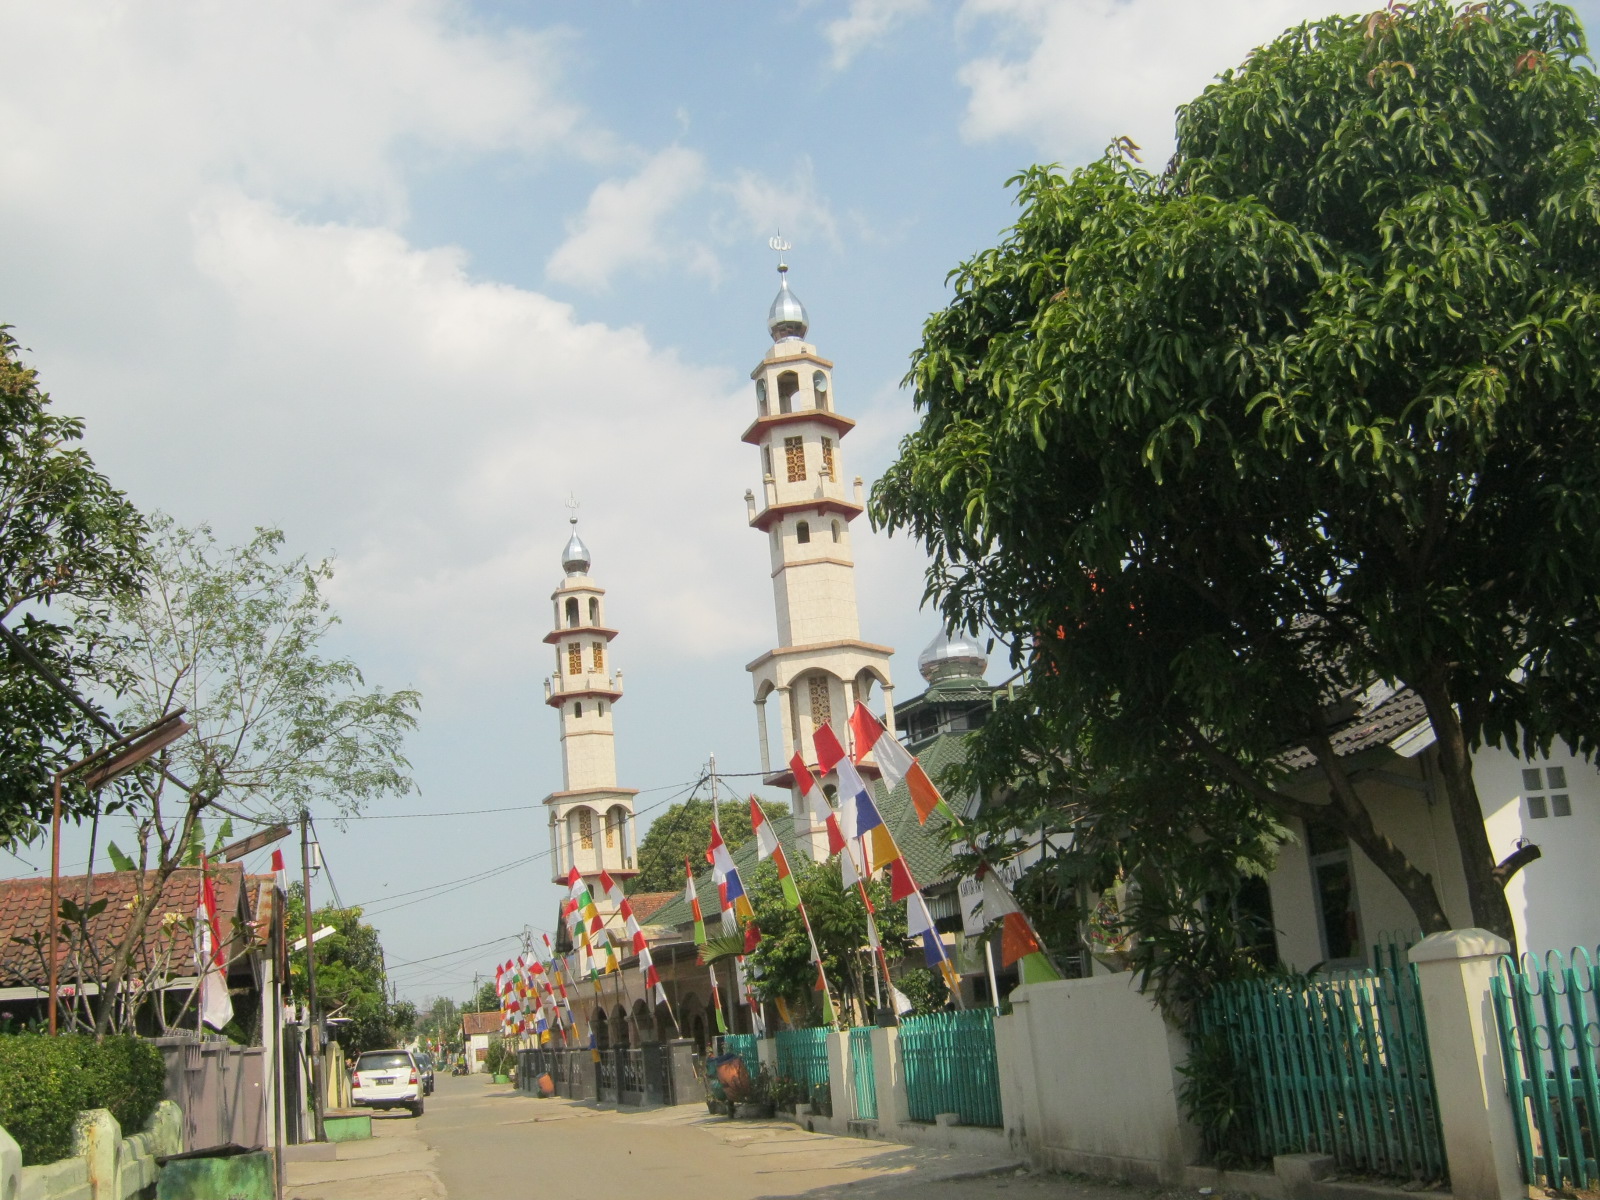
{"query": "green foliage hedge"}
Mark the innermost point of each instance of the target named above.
(45, 1082)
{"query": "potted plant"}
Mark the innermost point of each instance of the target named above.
(759, 1105)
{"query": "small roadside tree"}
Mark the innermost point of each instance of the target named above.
(684, 831)
(352, 985)
(65, 534)
(234, 636)
(839, 922)
(1215, 448)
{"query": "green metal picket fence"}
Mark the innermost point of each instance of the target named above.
(1549, 1021)
(744, 1045)
(1338, 1066)
(803, 1055)
(863, 1074)
(951, 1066)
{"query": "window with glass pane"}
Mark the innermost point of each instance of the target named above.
(1545, 792)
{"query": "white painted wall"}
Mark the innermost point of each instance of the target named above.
(1555, 901)
(1090, 1080)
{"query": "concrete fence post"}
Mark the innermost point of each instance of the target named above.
(95, 1139)
(10, 1167)
(889, 1072)
(1480, 1140)
(767, 1054)
(840, 1095)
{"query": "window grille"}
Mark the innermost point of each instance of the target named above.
(575, 658)
(794, 457)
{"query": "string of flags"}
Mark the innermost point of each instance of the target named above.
(535, 997)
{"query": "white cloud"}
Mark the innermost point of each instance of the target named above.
(621, 225)
(762, 205)
(866, 22)
(1070, 77)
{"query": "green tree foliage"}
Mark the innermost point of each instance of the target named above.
(684, 831)
(65, 533)
(351, 981)
(839, 921)
(234, 636)
(1216, 447)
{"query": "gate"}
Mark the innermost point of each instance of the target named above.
(951, 1066)
(803, 1056)
(1549, 1023)
(1336, 1066)
(863, 1074)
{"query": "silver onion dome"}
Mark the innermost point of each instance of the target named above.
(948, 657)
(786, 319)
(575, 558)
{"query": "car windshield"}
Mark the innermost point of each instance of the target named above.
(424, 1061)
(383, 1060)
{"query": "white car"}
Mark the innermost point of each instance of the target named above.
(387, 1079)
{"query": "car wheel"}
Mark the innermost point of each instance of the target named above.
(416, 1108)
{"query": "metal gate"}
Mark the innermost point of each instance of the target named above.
(1338, 1066)
(1549, 1022)
(951, 1066)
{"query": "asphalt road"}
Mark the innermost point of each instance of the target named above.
(482, 1141)
(494, 1143)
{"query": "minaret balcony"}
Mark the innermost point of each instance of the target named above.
(555, 635)
(773, 513)
(592, 683)
(762, 426)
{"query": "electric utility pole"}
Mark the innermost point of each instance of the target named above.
(313, 1017)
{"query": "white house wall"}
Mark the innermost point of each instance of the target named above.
(1555, 901)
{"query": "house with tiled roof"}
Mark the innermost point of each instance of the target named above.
(477, 1029)
(1328, 901)
(164, 960)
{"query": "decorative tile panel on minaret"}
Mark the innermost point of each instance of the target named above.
(820, 667)
(591, 818)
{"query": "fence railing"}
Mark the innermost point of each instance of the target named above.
(951, 1066)
(1548, 1015)
(744, 1045)
(803, 1055)
(863, 1075)
(1336, 1066)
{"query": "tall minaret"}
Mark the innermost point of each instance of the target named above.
(591, 818)
(820, 667)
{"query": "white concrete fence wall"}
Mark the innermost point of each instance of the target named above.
(104, 1165)
(1089, 1081)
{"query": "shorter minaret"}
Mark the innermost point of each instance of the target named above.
(591, 818)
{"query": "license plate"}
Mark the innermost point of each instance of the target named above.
(383, 1080)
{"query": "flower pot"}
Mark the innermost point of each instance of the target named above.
(502, 1079)
(752, 1111)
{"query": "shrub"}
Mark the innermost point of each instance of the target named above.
(500, 1059)
(45, 1082)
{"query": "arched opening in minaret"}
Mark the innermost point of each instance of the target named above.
(761, 397)
(577, 709)
(600, 707)
(836, 531)
(802, 532)
(594, 611)
(788, 385)
(572, 612)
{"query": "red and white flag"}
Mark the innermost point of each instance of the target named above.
(216, 1006)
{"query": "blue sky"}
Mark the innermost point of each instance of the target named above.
(400, 276)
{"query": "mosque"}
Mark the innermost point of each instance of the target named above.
(814, 675)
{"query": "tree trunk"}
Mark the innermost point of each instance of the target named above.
(1485, 894)
(1348, 812)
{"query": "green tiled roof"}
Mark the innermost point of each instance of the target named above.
(924, 847)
